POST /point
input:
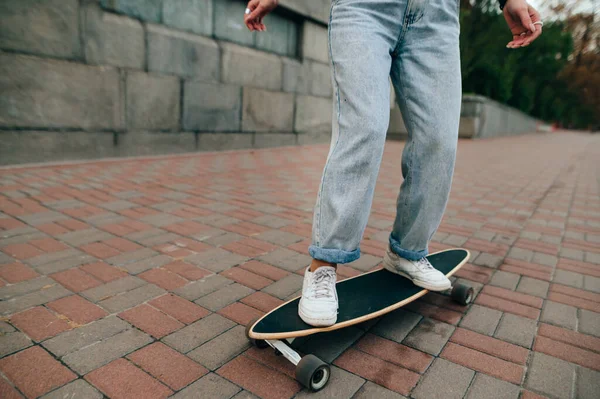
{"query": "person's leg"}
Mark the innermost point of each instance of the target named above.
(427, 79)
(362, 35)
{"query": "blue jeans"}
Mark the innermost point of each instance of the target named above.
(416, 43)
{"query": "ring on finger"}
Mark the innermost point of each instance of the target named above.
(247, 11)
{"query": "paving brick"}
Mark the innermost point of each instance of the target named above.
(205, 286)
(216, 260)
(64, 264)
(75, 389)
(482, 362)
(121, 379)
(74, 340)
(51, 257)
(395, 353)
(591, 283)
(435, 312)
(488, 387)
(481, 319)
(22, 251)
(198, 333)
(113, 288)
(24, 287)
(444, 380)
(550, 376)
(567, 352)
(16, 272)
(103, 272)
(521, 254)
(131, 257)
(589, 322)
(568, 278)
(516, 330)
(488, 260)
(167, 365)
(533, 286)
(211, 386)
(39, 323)
(371, 390)
(151, 320)
(163, 278)
(331, 345)
(12, 342)
(507, 306)
(77, 309)
(505, 280)
(284, 287)
(131, 298)
(224, 296)
(76, 280)
(262, 301)
(259, 379)
(240, 313)
(178, 308)
(430, 336)
(99, 250)
(35, 372)
(221, 349)
(187, 271)
(531, 395)
(517, 297)
(247, 278)
(47, 293)
(588, 383)
(286, 259)
(265, 270)
(559, 314)
(91, 357)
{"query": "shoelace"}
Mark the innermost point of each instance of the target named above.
(424, 265)
(323, 282)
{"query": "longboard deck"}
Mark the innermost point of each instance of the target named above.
(361, 298)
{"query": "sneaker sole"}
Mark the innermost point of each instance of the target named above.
(418, 283)
(327, 322)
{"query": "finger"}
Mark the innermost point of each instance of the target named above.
(525, 19)
(252, 4)
(257, 13)
(533, 36)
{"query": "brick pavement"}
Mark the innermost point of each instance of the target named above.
(134, 278)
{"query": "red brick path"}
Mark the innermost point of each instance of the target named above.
(134, 278)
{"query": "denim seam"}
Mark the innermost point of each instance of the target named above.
(337, 94)
(407, 20)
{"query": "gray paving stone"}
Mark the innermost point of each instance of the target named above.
(589, 322)
(521, 254)
(224, 296)
(278, 237)
(571, 254)
(550, 376)
(245, 395)
(113, 288)
(51, 257)
(284, 287)
(342, 385)
(162, 238)
(78, 338)
(221, 349)
(216, 260)
(25, 235)
(147, 264)
(65, 264)
(5, 259)
(371, 390)
(429, 336)
(25, 287)
(592, 257)
(42, 218)
(200, 288)
(45, 295)
(516, 330)
(396, 325)
(131, 298)
(455, 240)
(6, 328)
(91, 357)
(544, 259)
(559, 314)
(503, 239)
(444, 380)
(568, 278)
(488, 260)
(588, 384)
(198, 333)
(533, 286)
(129, 257)
(211, 386)
(12, 342)
(271, 221)
(488, 387)
(74, 390)
(162, 219)
(365, 263)
(505, 280)
(82, 237)
(591, 283)
(331, 345)
(286, 259)
(481, 319)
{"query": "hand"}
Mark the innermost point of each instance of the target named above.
(258, 10)
(520, 18)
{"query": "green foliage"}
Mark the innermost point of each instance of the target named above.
(527, 78)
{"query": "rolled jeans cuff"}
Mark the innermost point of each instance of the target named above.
(406, 254)
(333, 255)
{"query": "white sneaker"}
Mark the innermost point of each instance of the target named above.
(419, 271)
(319, 303)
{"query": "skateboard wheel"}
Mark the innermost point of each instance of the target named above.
(462, 294)
(313, 373)
(259, 343)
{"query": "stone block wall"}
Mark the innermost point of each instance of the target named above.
(84, 79)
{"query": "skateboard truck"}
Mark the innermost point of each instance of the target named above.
(311, 371)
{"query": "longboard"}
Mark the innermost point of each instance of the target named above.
(360, 298)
